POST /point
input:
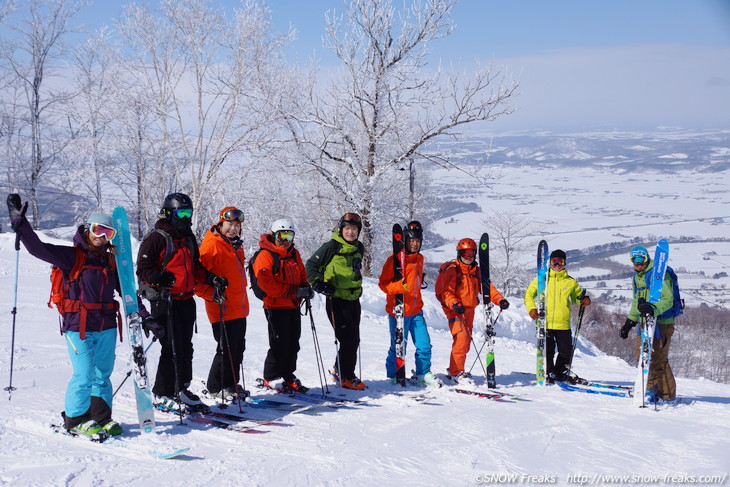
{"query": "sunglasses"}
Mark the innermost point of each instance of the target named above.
(234, 214)
(98, 230)
(285, 236)
(183, 213)
(557, 261)
(639, 259)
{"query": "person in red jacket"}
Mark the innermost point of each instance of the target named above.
(460, 296)
(280, 274)
(169, 268)
(222, 253)
(414, 324)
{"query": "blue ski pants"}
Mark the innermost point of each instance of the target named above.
(416, 327)
(92, 360)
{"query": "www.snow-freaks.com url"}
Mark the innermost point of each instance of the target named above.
(602, 479)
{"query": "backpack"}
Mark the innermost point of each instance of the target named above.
(60, 286)
(440, 284)
(257, 291)
(145, 290)
(678, 304)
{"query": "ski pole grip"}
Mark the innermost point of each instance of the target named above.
(17, 241)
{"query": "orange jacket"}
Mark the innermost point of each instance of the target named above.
(280, 288)
(466, 288)
(219, 257)
(413, 272)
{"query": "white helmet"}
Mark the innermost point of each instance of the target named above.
(282, 224)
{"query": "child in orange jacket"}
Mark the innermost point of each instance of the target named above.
(460, 296)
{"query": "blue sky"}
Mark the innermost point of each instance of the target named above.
(582, 65)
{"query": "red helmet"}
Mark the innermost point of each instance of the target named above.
(466, 244)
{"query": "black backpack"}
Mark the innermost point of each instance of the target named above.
(257, 291)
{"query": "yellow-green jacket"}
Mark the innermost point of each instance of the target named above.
(561, 290)
(642, 291)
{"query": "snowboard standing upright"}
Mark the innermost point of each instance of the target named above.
(125, 267)
(400, 348)
(487, 301)
(648, 323)
(542, 278)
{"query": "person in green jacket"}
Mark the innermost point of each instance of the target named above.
(562, 290)
(660, 383)
(334, 271)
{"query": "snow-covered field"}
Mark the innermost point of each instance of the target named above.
(556, 438)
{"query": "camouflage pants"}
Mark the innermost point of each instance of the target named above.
(660, 372)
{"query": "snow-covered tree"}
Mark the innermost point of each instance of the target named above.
(384, 107)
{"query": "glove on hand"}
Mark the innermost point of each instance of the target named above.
(586, 301)
(646, 308)
(324, 288)
(150, 325)
(628, 325)
(503, 304)
(16, 210)
(305, 292)
(162, 279)
(458, 308)
(533, 313)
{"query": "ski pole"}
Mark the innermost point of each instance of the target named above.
(577, 332)
(337, 344)
(223, 404)
(171, 333)
(317, 350)
(473, 344)
(129, 373)
(230, 358)
(10, 387)
(485, 340)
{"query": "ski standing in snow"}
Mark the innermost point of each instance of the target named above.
(334, 271)
(409, 285)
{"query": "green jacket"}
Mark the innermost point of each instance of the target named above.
(561, 290)
(338, 262)
(641, 290)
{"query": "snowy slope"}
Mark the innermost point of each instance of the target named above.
(450, 439)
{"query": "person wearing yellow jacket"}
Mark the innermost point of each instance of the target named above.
(222, 250)
(562, 290)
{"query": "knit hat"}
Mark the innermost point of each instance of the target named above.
(558, 253)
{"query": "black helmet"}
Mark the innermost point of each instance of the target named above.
(176, 201)
(413, 230)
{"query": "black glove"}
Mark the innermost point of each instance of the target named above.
(458, 308)
(305, 292)
(646, 308)
(503, 304)
(150, 325)
(628, 325)
(324, 288)
(162, 279)
(220, 283)
(16, 210)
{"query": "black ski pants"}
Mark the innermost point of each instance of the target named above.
(344, 315)
(563, 340)
(226, 367)
(179, 322)
(285, 329)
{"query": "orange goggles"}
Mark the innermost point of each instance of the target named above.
(285, 236)
(557, 261)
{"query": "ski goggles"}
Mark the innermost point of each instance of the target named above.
(98, 230)
(639, 259)
(467, 253)
(182, 213)
(285, 236)
(351, 219)
(231, 215)
(557, 261)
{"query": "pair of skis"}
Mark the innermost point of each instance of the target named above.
(486, 284)
(648, 323)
